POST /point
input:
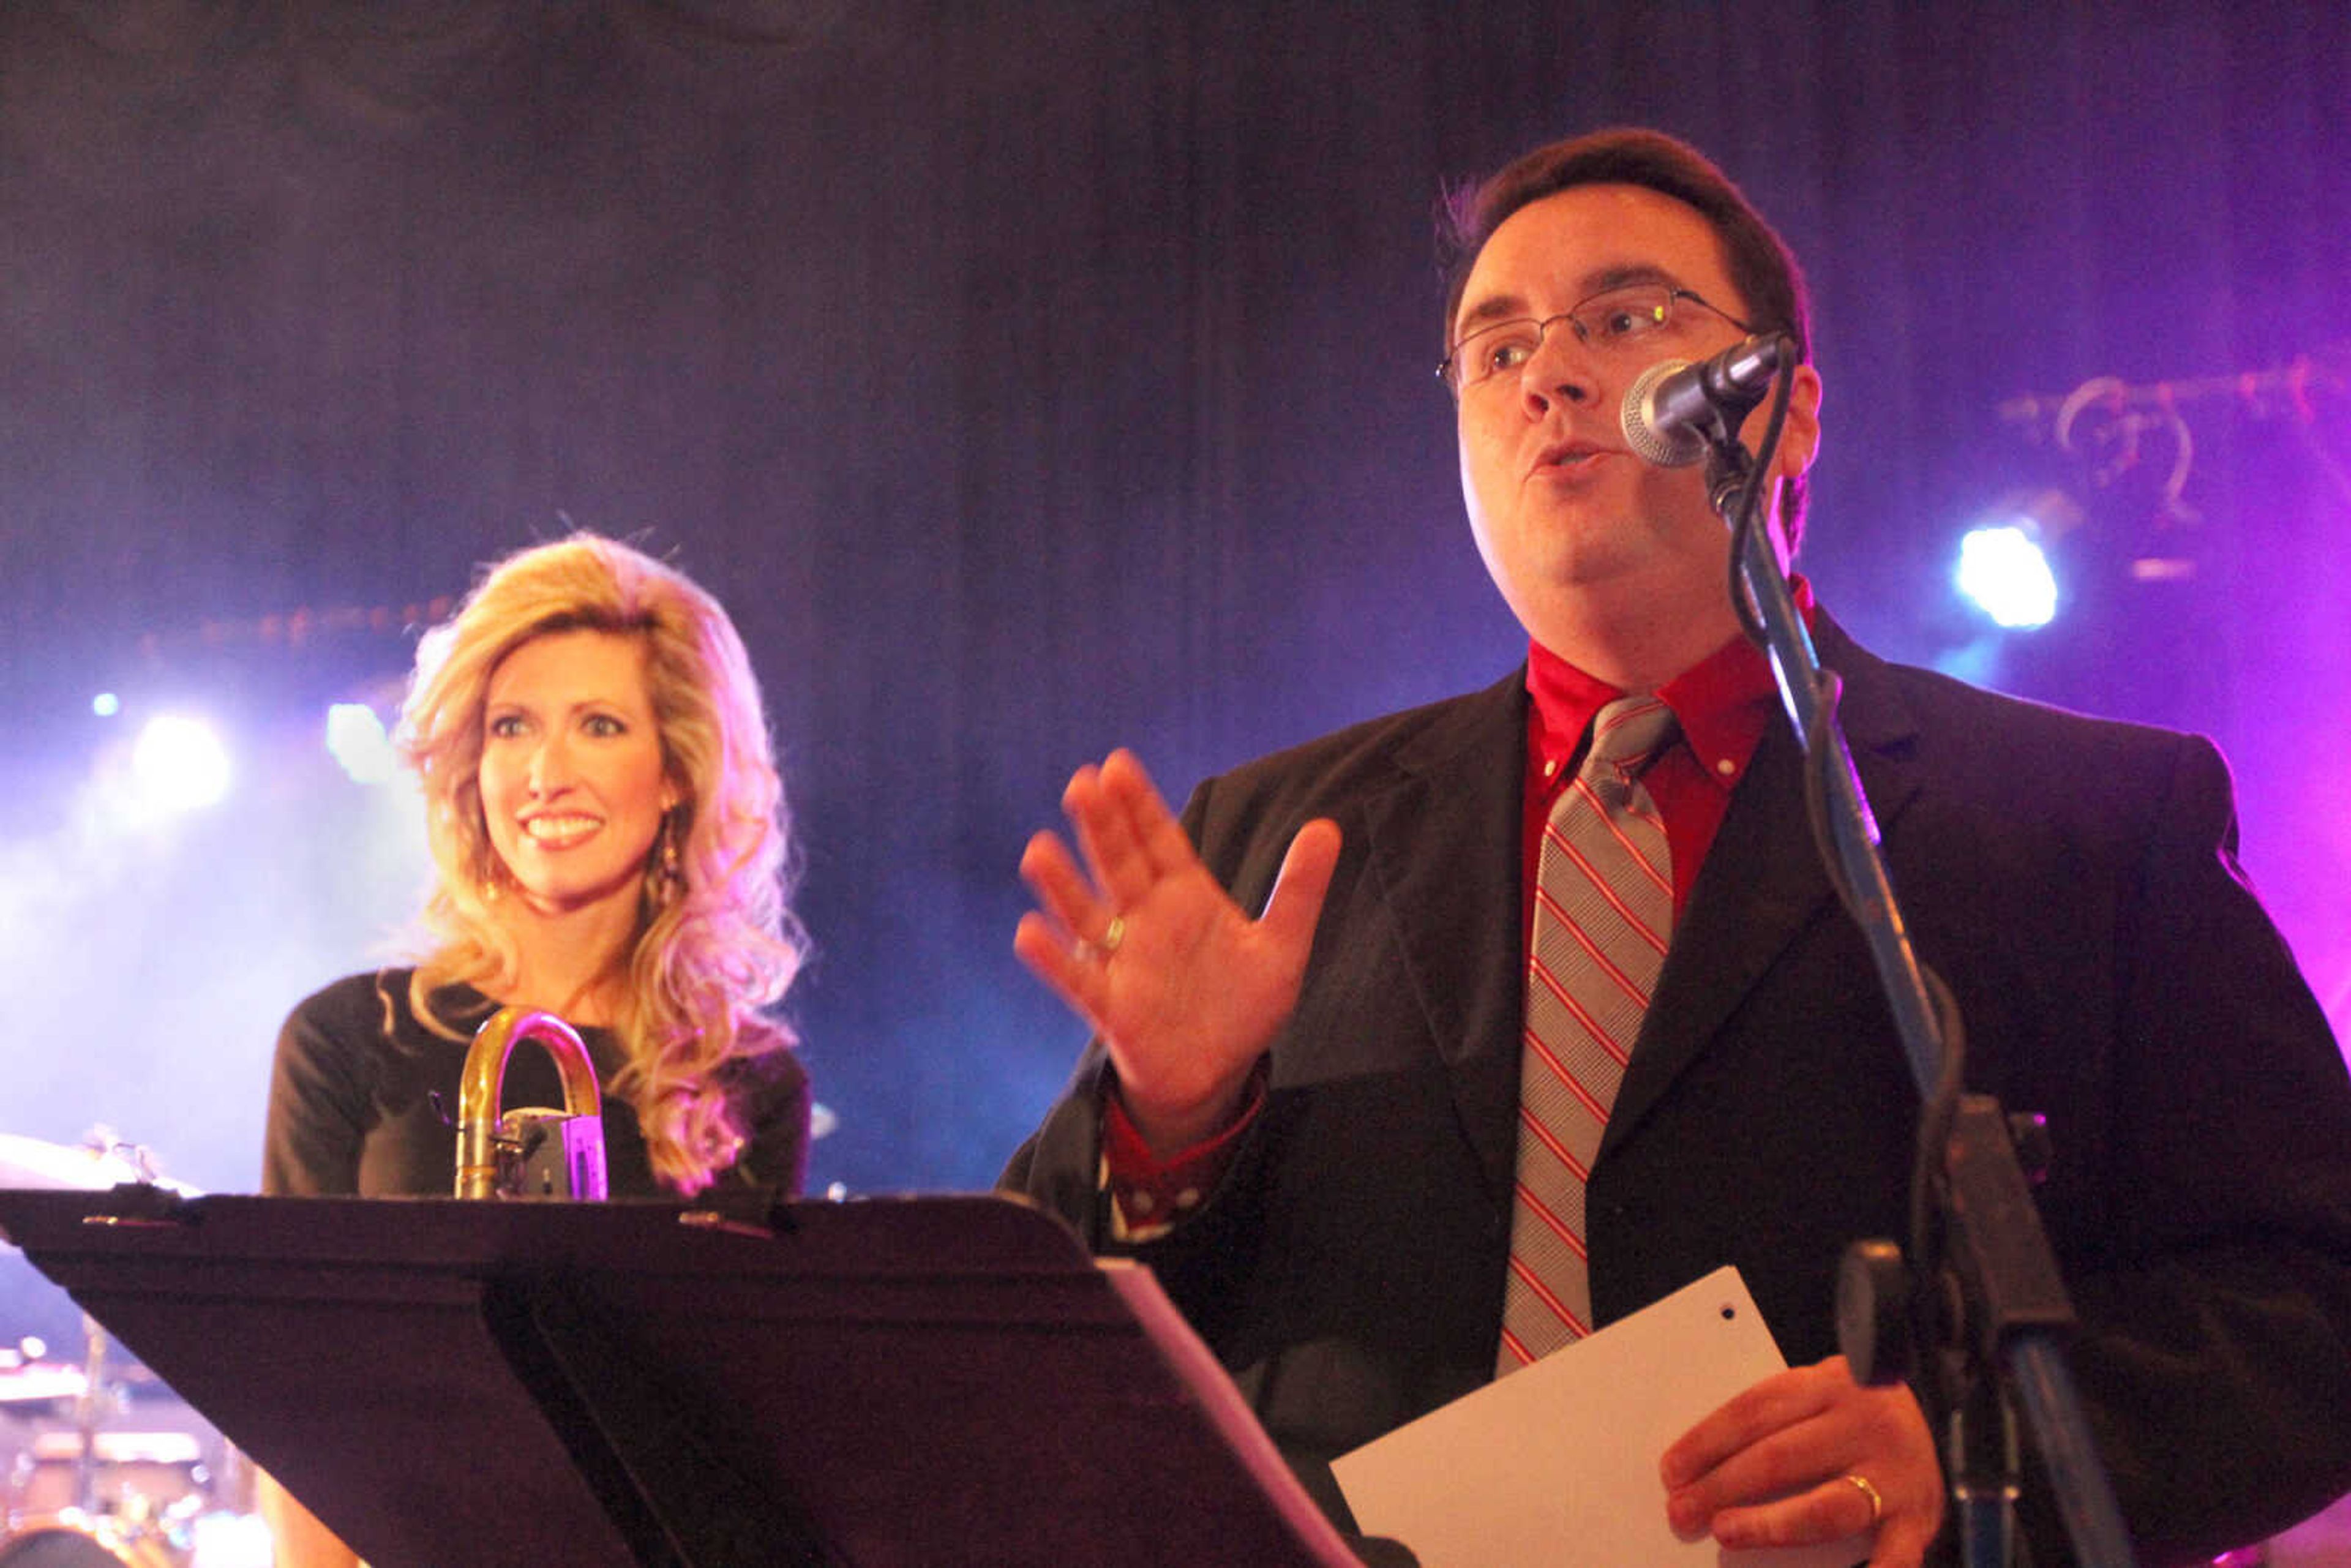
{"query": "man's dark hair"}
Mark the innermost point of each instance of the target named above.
(1762, 266)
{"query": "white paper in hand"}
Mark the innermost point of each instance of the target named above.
(1557, 1463)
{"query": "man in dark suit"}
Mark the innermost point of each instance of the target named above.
(1324, 1127)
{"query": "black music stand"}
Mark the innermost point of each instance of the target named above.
(888, 1383)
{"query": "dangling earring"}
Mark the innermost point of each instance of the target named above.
(664, 874)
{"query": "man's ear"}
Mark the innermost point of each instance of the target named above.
(1802, 436)
(1799, 439)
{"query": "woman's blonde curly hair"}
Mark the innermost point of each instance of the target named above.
(715, 939)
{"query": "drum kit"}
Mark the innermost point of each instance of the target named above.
(100, 1464)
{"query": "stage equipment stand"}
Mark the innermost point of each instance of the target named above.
(1979, 1297)
(886, 1382)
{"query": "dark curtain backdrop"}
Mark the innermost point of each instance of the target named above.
(1031, 377)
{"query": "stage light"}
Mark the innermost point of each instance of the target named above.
(105, 704)
(355, 737)
(180, 765)
(222, 1538)
(2005, 567)
(2004, 573)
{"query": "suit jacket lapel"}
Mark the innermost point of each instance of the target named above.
(1435, 843)
(1762, 882)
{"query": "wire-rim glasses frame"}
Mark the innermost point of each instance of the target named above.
(1617, 319)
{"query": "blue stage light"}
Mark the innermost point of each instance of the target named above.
(356, 738)
(2004, 571)
(180, 764)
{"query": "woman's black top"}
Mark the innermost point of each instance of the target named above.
(352, 1103)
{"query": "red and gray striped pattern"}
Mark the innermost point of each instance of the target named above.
(1603, 914)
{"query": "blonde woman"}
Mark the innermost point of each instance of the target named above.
(609, 838)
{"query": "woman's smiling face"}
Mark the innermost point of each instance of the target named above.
(572, 778)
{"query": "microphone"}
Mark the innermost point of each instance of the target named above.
(1673, 405)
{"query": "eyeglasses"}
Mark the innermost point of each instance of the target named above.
(1635, 318)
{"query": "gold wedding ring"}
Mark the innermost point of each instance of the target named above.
(1877, 1504)
(1113, 934)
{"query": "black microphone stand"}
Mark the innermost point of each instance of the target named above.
(1980, 1298)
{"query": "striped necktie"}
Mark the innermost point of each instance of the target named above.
(1603, 914)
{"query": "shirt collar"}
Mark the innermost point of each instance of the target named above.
(1723, 705)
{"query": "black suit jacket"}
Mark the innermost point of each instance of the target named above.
(2074, 881)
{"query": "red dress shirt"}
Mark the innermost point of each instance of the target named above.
(1723, 704)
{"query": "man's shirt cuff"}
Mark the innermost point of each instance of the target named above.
(1148, 1195)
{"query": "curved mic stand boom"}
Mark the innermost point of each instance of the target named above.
(1973, 1222)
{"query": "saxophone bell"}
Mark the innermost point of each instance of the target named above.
(531, 1151)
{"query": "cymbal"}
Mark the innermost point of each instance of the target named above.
(30, 1162)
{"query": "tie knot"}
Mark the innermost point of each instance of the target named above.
(1625, 735)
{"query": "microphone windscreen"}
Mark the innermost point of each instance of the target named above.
(1674, 446)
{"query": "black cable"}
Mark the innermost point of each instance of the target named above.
(1743, 515)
